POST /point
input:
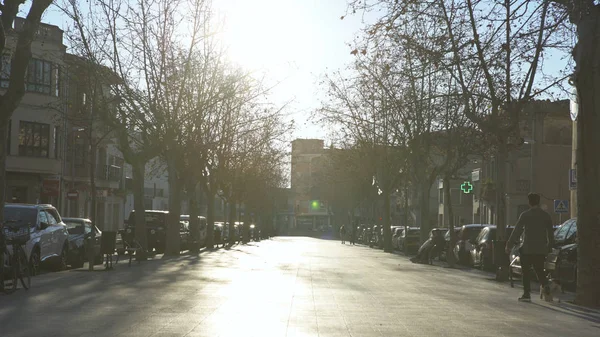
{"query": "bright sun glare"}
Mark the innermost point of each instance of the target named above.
(267, 34)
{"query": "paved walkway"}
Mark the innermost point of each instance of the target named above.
(283, 287)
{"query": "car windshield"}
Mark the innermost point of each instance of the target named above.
(74, 227)
(20, 215)
(152, 219)
(414, 232)
(472, 232)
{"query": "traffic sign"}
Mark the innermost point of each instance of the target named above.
(573, 179)
(561, 206)
(72, 194)
(466, 187)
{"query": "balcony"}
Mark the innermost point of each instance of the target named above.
(33, 165)
(109, 173)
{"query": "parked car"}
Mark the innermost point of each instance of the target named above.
(396, 232)
(48, 244)
(202, 228)
(408, 242)
(80, 230)
(431, 248)
(561, 263)
(516, 260)
(443, 254)
(156, 225)
(466, 238)
(481, 247)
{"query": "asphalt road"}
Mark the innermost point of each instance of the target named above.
(283, 287)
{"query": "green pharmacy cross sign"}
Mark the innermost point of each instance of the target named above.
(466, 187)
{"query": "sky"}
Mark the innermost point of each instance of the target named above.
(293, 43)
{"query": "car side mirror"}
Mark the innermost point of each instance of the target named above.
(43, 225)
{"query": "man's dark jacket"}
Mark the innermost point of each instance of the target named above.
(538, 231)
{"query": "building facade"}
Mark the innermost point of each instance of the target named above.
(33, 166)
(541, 164)
(311, 211)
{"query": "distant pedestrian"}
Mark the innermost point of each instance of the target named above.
(343, 234)
(353, 235)
(538, 238)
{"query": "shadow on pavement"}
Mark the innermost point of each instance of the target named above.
(573, 310)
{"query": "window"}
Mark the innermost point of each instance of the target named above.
(522, 208)
(572, 231)
(56, 143)
(51, 219)
(5, 72)
(561, 234)
(34, 139)
(56, 81)
(52, 213)
(42, 217)
(39, 76)
(88, 228)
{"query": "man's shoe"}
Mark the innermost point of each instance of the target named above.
(525, 298)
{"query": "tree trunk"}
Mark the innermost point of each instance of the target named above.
(139, 175)
(173, 239)
(232, 217)
(588, 160)
(246, 228)
(3, 154)
(387, 231)
(93, 206)
(424, 211)
(450, 258)
(194, 245)
(500, 258)
(210, 219)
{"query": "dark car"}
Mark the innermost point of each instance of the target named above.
(432, 247)
(80, 230)
(481, 250)
(466, 236)
(156, 226)
(409, 240)
(443, 254)
(561, 263)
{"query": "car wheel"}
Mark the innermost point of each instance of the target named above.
(61, 264)
(34, 261)
(483, 262)
(79, 260)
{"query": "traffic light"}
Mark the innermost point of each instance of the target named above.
(315, 205)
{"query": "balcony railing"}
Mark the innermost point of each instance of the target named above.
(103, 172)
(109, 172)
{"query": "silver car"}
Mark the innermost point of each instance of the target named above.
(49, 236)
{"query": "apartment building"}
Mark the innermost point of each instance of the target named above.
(541, 164)
(34, 164)
(308, 161)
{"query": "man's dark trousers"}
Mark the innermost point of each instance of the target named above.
(537, 262)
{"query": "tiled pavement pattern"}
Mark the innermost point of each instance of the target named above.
(283, 287)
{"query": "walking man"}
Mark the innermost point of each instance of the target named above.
(538, 237)
(353, 234)
(343, 234)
